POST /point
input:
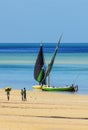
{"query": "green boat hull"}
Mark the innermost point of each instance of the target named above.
(68, 88)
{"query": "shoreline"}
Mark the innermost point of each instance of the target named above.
(53, 92)
(43, 110)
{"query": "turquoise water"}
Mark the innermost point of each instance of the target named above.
(17, 65)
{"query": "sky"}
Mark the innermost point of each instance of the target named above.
(33, 21)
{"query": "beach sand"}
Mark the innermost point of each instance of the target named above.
(43, 111)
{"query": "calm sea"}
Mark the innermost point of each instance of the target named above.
(17, 62)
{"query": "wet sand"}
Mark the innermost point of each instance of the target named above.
(43, 111)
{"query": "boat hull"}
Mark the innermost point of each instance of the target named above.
(36, 87)
(68, 88)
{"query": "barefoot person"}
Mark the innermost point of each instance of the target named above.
(24, 94)
(8, 95)
(8, 89)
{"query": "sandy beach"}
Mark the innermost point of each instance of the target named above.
(43, 111)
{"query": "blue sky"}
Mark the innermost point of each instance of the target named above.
(26, 21)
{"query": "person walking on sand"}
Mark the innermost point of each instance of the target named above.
(24, 94)
(8, 95)
(7, 90)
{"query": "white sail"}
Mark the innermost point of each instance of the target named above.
(52, 60)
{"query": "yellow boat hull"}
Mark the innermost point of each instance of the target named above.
(37, 86)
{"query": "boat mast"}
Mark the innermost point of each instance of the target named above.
(50, 65)
(49, 80)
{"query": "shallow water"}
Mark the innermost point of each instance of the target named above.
(17, 65)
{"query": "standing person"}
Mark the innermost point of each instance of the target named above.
(24, 94)
(7, 90)
(8, 95)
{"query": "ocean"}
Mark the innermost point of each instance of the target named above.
(17, 62)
